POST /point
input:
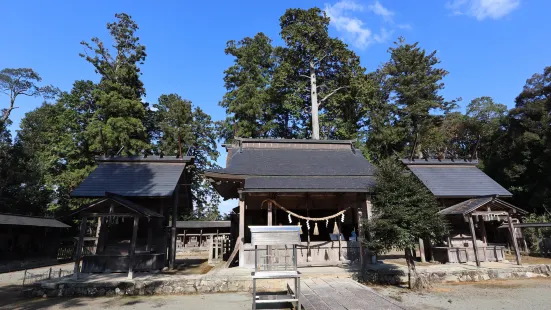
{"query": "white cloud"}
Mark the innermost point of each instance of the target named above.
(380, 10)
(353, 28)
(482, 9)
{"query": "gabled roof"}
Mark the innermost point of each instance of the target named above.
(458, 179)
(287, 165)
(99, 206)
(203, 224)
(133, 177)
(471, 205)
(309, 184)
(24, 220)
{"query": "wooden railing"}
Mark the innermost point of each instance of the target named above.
(219, 249)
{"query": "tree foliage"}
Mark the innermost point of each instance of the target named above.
(21, 82)
(307, 88)
(182, 128)
(403, 212)
(119, 111)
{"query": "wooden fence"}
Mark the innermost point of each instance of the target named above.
(219, 249)
(33, 277)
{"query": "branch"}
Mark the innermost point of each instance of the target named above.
(304, 76)
(332, 93)
(319, 60)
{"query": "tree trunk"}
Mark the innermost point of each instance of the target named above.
(314, 101)
(416, 281)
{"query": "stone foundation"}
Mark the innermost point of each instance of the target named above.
(152, 287)
(398, 276)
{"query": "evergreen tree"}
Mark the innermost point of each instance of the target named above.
(403, 211)
(184, 127)
(414, 82)
(119, 111)
(522, 158)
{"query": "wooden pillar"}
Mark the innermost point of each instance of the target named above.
(132, 253)
(78, 253)
(242, 233)
(172, 263)
(270, 223)
(483, 229)
(360, 238)
(422, 250)
(98, 233)
(184, 241)
(200, 237)
(512, 232)
(341, 257)
(475, 247)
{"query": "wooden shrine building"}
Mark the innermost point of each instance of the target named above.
(475, 207)
(323, 186)
(137, 202)
(28, 240)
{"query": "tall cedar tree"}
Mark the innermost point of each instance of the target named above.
(283, 91)
(120, 112)
(414, 83)
(326, 64)
(403, 211)
(247, 81)
(182, 126)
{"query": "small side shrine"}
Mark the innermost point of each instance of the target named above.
(138, 200)
(475, 207)
(323, 187)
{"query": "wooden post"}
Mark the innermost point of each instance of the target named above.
(475, 247)
(422, 250)
(133, 248)
(172, 262)
(98, 234)
(270, 223)
(512, 232)
(242, 233)
(360, 238)
(368, 215)
(200, 237)
(483, 229)
(79, 247)
(184, 241)
(341, 258)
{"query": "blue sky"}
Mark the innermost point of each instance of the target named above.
(490, 47)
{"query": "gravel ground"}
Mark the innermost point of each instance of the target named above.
(506, 294)
(16, 277)
(234, 301)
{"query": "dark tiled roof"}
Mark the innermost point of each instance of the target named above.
(297, 162)
(457, 181)
(110, 197)
(326, 184)
(471, 205)
(203, 224)
(22, 220)
(132, 179)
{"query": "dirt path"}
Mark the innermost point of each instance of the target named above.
(506, 294)
(16, 277)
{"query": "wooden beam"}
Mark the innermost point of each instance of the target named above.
(78, 253)
(108, 214)
(241, 233)
(475, 247)
(512, 232)
(133, 249)
(234, 253)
